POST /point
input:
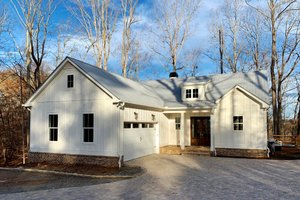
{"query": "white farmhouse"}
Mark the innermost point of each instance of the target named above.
(83, 114)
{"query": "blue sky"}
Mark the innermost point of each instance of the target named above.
(198, 39)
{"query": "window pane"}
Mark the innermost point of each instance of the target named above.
(91, 120)
(85, 135)
(144, 125)
(151, 125)
(241, 119)
(241, 127)
(135, 125)
(55, 121)
(177, 119)
(235, 127)
(235, 120)
(177, 126)
(127, 125)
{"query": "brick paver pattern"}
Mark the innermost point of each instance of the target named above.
(191, 177)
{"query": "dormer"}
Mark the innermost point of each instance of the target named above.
(193, 91)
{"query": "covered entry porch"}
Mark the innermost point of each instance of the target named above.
(190, 128)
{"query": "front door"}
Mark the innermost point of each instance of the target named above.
(200, 131)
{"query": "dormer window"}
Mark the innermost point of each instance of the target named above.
(195, 93)
(188, 93)
(70, 81)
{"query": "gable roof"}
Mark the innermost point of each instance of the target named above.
(166, 93)
(124, 89)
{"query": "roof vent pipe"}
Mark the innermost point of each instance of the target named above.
(173, 75)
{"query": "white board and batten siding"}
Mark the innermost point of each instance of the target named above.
(138, 142)
(70, 104)
(254, 133)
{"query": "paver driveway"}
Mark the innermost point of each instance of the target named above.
(191, 177)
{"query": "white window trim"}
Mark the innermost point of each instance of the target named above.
(70, 88)
(48, 132)
(233, 123)
(82, 133)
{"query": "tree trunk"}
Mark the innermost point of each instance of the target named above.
(298, 129)
(279, 106)
(28, 64)
(272, 70)
(221, 50)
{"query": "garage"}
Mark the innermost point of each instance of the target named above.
(139, 140)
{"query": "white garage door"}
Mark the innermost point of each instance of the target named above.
(139, 140)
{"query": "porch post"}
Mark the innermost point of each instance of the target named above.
(182, 127)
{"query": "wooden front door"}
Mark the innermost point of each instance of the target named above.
(200, 131)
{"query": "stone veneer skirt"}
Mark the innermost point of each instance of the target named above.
(55, 158)
(243, 153)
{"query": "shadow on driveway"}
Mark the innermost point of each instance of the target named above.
(19, 181)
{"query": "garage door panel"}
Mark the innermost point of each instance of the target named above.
(138, 142)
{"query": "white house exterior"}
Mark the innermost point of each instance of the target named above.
(85, 114)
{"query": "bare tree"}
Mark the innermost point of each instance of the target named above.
(221, 49)
(137, 60)
(227, 37)
(256, 50)
(98, 21)
(65, 45)
(173, 19)
(283, 20)
(3, 19)
(34, 16)
(192, 58)
(128, 11)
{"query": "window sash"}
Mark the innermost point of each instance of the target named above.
(53, 134)
(88, 120)
(238, 123)
(88, 135)
(188, 93)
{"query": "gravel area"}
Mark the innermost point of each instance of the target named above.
(190, 177)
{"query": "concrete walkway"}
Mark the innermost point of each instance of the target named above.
(191, 177)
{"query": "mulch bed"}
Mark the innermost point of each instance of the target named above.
(80, 169)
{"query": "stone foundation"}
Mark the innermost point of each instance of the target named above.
(55, 158)
(241, 153)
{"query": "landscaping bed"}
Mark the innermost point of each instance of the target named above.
(79, 169)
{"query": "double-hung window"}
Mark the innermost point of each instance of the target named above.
(70, 81)
(188, 93)
(195, 93)
(53, 127)
(177, 123)
(238, 123)
(88, 127)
